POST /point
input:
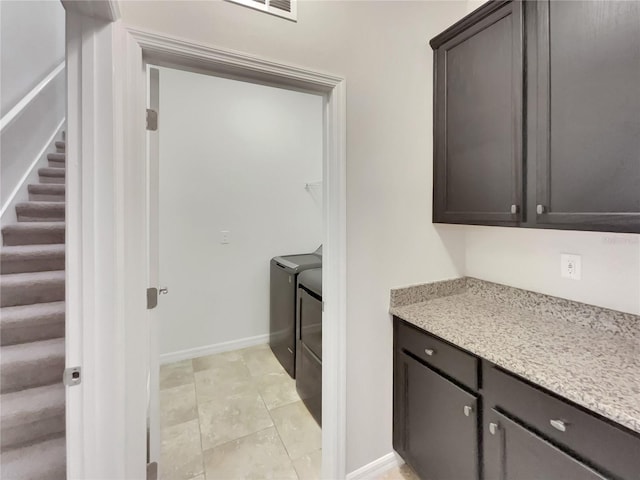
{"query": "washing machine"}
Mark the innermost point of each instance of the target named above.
(309, 341)
(283, 300)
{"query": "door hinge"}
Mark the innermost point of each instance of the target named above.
(152, 298)
(152, 120)
(72, 376)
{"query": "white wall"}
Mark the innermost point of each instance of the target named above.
(31, 46)
(234, 156)
(381, 48)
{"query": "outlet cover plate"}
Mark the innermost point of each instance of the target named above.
(571, 266)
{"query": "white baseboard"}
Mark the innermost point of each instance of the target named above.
(212, 349)
(376, 468)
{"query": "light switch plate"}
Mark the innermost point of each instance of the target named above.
(571, 266)
(225, 237)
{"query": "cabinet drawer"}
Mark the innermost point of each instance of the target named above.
(450, 360)
(608, 447)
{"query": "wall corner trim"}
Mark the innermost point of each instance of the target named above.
(377, 467)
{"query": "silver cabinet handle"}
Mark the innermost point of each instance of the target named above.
(467, 409)
(429, 351)
(493, 428)
(163, 291)
(540, 209)
(515, 209)
(558, 425)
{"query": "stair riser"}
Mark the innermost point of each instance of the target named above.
(26, 432)
(31, 374)
(35, 333)
(45, 237)
(37, 264)
(29, 293)
(55, 180)
(43, 197)
(61, 150)
(57, 163)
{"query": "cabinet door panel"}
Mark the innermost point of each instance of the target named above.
(513, 452)
(478, 121)
(441, 440)
(589, 114)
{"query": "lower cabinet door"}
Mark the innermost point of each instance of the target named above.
(441, 425)
(513, 452)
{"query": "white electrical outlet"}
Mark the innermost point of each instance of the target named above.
(225, 236)
(571, 266)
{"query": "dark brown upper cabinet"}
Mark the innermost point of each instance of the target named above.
(588, 109)
(478, 118)
(537, 116)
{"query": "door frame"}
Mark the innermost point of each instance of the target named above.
(107, 320)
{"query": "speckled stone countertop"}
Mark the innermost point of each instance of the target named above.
(586, 354)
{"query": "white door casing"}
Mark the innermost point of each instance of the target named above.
(108, 330)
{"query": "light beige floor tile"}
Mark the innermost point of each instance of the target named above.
(403, 472)
(217, 360)
(261, 361)
(300, 433)
(257, 456)
(228, 418)
(277, 389)
(181, 452)
(220, 382)
(178, 405)
(176, 374)
(308, 467)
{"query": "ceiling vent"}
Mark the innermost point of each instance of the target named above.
(281, 8)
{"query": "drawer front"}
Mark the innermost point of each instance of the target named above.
(610, 448)
(513, 452)
(452, 361)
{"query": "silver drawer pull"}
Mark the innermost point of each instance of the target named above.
(493, 428)
(558, 425)
(429, 351)
(467, 410)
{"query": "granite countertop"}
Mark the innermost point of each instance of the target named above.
(586, 354)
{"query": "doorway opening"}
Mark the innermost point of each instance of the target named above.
(235, 187)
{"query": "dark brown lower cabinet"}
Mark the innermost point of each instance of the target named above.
(440, 420)
(513, 452)
(510, 429)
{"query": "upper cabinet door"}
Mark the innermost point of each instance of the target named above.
(478, 118)
(588, 115)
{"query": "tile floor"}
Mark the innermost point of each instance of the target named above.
(235, 415)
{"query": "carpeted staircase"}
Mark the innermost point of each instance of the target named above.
(32, 294)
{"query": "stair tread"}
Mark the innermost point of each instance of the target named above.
(45, 459)
(31, 251)
(40, 203)
(58, 156)
(21, 313)
(34, 225)
(60, 144)
(32, 351)
(51, 172)
(31, 405)
(54, 188)
(31, 277)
